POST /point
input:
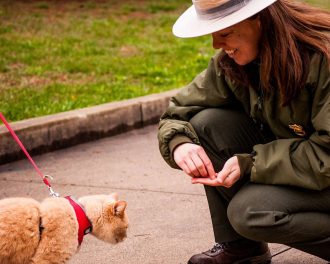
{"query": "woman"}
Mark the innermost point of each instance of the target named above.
(254, 127)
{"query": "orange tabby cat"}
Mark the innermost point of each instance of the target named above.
(47, 232)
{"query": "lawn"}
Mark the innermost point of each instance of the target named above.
(61, 55)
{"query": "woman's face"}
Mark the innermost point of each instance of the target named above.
(241, 41)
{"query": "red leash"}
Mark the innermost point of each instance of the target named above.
(84, 224)
(44, 178)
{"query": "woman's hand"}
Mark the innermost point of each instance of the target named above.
(193, 160)
(226, 177)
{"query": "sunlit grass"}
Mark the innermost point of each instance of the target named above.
(61, 55)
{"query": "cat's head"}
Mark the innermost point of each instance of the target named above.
(108, 216)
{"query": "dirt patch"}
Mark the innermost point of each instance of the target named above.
(128, 51)
(16, 81)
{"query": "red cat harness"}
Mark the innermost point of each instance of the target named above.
(85, 225)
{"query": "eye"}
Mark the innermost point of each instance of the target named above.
(224, 35)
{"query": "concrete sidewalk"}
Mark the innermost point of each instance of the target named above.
(169, 218)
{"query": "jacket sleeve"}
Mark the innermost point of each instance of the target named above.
(208, 89)
(296, 161)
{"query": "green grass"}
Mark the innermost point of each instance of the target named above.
(61, 55)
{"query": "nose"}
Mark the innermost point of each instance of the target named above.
(218, 41)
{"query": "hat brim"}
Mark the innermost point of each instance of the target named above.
(189, 24)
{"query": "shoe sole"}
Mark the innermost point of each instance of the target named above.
(262, 259)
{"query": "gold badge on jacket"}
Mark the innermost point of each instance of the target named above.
(298, 129)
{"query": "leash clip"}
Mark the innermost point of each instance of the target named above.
(52, 193)
(15, 137)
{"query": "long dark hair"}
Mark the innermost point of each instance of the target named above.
(291, 32)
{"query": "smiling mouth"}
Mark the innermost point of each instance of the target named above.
(231, 52)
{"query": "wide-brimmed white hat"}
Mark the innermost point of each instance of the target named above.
(208, 16)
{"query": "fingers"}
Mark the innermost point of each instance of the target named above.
(208, 165)
(205, 181)
(226, 177)
(189, 167)
(226, 181)
(196, 167)
(230, 172)
(203, 165)
(185, 168)
(193, 160)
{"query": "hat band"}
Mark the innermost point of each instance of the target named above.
(219, 11)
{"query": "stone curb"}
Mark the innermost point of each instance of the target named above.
(47, 133)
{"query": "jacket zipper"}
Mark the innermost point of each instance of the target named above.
(260, 103)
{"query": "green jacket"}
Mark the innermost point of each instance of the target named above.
(293, 158)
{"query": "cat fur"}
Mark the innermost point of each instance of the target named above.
(23, 242)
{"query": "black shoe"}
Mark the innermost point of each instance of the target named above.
(237, 252)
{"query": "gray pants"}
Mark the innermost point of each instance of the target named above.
(297, 217)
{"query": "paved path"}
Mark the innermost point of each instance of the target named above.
(169, 219)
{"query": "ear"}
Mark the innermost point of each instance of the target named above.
(114, 196)
(119, 207)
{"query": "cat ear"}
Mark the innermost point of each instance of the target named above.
(114, 196)
(119, 207)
